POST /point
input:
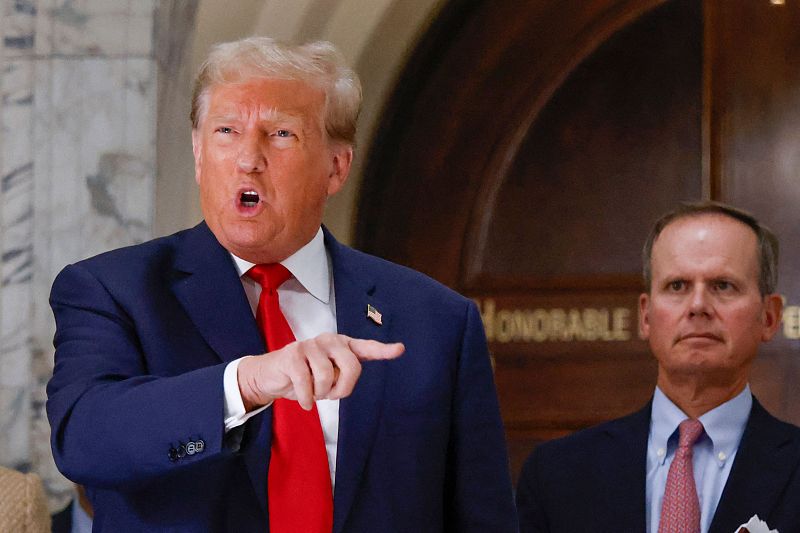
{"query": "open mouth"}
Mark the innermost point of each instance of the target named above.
(249, 198)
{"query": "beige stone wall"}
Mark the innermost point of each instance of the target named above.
(387, 29)
(77, 167)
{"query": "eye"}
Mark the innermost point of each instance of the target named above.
(723, 285)
(224, 129)
(283, 133)
(676, 285)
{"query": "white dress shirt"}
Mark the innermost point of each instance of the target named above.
(307, 302)
(713, 453)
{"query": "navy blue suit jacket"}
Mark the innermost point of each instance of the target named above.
(594, 480)
(143, 336)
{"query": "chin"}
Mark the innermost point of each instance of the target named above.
(238, 237)
(250, 241)
(690, 361)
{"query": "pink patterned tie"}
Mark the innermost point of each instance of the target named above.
(680, 512)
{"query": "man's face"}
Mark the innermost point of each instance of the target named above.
(265, 166)
(704, 315)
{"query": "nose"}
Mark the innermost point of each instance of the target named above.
(251, 158)
(699, 303)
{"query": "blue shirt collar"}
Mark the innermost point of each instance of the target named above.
(723, 425)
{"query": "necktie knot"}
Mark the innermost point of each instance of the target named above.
(688, 432)
(269, 276)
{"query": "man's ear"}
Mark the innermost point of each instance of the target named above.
(644, 319)
(773, 311)
(197, 154)
(342, 159)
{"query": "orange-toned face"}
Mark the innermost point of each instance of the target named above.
(265, 166)
(704, 313)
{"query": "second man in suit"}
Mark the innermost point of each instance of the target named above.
(703, 455)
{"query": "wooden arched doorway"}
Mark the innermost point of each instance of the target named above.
(530, 145)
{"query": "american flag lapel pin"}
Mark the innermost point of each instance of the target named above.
(374, 315)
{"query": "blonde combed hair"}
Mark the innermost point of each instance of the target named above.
(318, 63)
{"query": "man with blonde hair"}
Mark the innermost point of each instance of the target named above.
(253, 374)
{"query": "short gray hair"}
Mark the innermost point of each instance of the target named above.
(317, 63)
(767, 247)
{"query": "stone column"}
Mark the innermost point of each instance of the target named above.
(77, 162)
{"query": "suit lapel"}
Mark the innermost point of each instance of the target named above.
(210, 292)
(624, 461)
(359, 414)
(212, 295)
(760, 471)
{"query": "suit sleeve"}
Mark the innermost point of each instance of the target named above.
(478, 460)
(113, 424)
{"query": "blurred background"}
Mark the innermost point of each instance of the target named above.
(516, 151)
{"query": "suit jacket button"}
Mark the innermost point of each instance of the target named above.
(173, 454)
(190, 448)
(199, 446)
(181, 451)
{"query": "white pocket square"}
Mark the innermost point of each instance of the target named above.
(755, 525)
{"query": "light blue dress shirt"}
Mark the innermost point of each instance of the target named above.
(81, 522)
(713, 455)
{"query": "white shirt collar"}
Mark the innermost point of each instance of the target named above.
(308, 265)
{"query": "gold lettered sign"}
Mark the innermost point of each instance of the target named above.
(791, 320)
(516, 320)
(561, 324)
(556, 324)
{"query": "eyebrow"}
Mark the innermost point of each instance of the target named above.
(267, 115)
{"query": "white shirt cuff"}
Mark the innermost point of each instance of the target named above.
(235, 414)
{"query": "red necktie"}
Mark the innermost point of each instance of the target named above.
(680, 511)
(299, 483)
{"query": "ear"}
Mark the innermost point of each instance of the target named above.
(771, 316)
(196, 150)
(644, 319)
(340, 168)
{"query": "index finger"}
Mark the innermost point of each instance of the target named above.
(372, 350)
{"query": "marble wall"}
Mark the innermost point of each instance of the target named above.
(77, 163)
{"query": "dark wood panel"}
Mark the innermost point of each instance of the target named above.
(615, 147)
(524, 166)
(570, 394)
(755, 100)
(472, 89)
